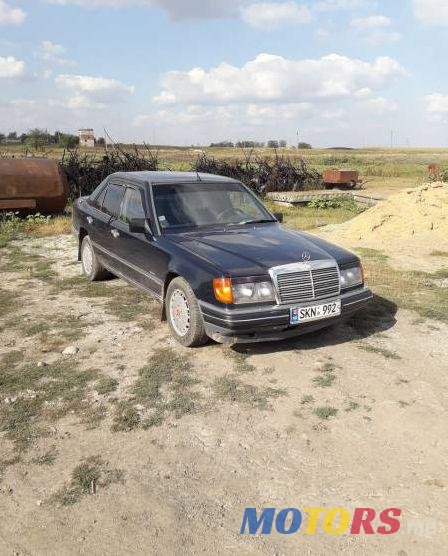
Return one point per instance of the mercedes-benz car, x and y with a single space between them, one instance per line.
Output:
220 263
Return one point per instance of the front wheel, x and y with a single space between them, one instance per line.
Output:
183 314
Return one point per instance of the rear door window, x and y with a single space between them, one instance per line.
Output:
112 199
132 207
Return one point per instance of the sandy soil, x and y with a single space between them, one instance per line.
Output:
186 482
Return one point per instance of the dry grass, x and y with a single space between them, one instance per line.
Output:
56 226
417 291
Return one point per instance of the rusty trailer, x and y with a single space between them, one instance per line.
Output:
348 179
32 185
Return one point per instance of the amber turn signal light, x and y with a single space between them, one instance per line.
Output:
223 290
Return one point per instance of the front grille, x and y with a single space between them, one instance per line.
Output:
308 285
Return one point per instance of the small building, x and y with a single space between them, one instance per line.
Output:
86 138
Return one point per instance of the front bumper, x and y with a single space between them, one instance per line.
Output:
270 323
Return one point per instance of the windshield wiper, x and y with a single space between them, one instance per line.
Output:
257 221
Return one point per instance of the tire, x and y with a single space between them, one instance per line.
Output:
188 328
92 268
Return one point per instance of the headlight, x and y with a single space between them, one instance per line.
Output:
351 277
247 292
252 292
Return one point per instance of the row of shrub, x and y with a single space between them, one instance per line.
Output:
262 174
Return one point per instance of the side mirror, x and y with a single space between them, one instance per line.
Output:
137 226
279 216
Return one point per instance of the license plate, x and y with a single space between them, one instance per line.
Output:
315 312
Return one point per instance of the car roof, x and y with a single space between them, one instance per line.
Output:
171 177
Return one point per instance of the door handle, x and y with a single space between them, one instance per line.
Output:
115 233
89 220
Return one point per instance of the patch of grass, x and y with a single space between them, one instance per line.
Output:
126 417
93 415
307 399
374 255
240 359
10 359
164 386
230 388
325 412
441 273
47 458
8 302
123 301
12 226
310 217
70 327
106 385
416 291
439 254
386 353
38 396
92 473
42 270
155 420
403 404
352 406
33 328
324 380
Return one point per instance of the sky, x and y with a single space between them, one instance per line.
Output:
185 72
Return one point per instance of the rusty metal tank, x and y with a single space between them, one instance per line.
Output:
32 185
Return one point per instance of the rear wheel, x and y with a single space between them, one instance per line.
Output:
91 266
183 314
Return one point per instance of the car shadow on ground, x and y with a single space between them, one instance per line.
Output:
378 317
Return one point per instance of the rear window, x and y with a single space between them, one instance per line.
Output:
112 199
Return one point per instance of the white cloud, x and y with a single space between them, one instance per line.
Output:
270 78
380 105
437 103
92 92
53 54
177 9
431 12
371 22
375 29
10 15
269 15
336 5
11 68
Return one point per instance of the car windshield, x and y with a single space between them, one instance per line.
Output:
207 204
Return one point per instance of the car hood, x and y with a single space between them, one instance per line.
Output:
252 250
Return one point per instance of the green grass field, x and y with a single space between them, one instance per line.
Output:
372 162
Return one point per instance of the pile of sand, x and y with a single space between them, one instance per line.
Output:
413 222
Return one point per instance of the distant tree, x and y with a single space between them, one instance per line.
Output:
2 137
12 135
222 144
38 138
273 144
282 143
303 145
67 140
101 141
249 144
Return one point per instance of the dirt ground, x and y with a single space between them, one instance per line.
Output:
354 416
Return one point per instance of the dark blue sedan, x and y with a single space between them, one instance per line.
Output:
219 262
